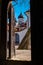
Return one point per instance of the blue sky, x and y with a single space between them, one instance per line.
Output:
21 6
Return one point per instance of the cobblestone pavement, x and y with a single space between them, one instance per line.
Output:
22 55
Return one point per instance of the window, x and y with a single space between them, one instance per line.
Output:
16 38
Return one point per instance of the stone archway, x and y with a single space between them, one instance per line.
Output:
10 12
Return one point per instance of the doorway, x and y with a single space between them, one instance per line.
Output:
18 35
